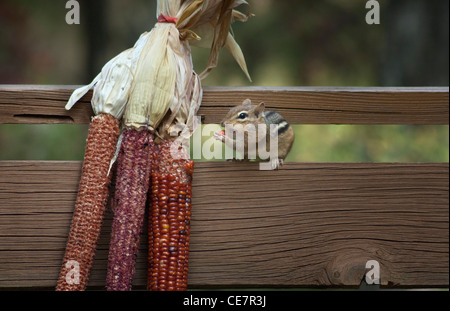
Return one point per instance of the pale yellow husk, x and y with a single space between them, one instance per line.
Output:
154 84
113 83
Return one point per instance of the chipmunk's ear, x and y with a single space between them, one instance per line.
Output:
259 109
247 102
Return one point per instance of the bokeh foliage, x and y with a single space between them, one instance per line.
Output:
288 43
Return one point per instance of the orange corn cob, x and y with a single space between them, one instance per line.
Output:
90 205
132 183
169 220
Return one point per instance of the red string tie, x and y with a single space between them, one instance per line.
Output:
166 19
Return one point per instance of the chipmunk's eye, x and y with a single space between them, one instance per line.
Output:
242 116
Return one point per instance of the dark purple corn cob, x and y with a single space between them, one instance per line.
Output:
134 165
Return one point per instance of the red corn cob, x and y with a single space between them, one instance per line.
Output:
169 220
90 205
132 183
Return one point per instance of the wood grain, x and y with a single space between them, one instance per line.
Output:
45 104
309 224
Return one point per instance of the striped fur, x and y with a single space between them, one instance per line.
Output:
272 117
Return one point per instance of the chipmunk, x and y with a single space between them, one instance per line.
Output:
251 118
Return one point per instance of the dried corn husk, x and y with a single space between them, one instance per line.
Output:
152 93
209 22
215 24
113 83
166 90
154 82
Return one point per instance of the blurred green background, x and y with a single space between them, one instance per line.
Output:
288 43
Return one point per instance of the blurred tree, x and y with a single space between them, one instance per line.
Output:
416 50
14 48
94 14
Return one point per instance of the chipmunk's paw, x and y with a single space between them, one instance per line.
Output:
280 163
276 163
220 136
272 165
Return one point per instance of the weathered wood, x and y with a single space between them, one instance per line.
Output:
45 104
309 224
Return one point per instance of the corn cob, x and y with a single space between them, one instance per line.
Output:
132 183
90 205
108 103
179 96
169 219
156 82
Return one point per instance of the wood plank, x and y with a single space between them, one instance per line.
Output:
300 105
309 224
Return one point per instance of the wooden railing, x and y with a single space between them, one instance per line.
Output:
306 225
